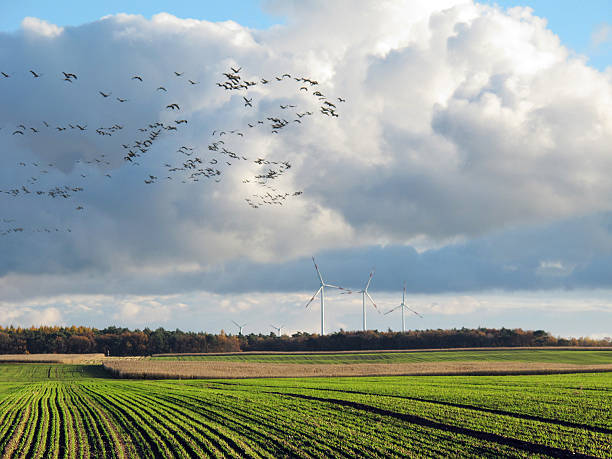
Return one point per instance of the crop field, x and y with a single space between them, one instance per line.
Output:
56 411
475 362
578 357
51 358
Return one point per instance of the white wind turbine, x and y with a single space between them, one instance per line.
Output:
240 327
322 290
404 306
278 329
364 293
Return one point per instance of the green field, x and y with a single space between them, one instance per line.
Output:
519 355
77 411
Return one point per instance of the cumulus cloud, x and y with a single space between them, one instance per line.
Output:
462 122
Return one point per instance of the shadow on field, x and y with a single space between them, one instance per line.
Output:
523 445
95 371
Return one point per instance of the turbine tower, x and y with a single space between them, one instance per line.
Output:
403 306
322 290
240 327
278 329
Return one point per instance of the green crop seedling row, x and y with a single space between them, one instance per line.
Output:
56 411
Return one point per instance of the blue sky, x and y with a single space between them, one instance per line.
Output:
470 160
72 13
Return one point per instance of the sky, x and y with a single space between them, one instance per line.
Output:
465 153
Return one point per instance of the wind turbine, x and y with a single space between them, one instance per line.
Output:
278 329
364 293
322 290
240 327
403 306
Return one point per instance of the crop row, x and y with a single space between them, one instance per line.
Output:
343 417
582 399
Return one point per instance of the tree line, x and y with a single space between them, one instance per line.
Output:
116 341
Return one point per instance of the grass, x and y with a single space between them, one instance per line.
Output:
78 411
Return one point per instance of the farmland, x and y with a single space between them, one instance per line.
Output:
580 357
475 362
51 410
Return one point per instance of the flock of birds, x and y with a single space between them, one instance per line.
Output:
187 163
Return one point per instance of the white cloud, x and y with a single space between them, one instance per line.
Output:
34 26
461 120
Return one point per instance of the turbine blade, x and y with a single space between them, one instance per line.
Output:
412 310
313 297
318 272
374 304
369 280
346 290
391 310
236 324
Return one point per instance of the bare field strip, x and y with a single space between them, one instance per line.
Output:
52 358
391 351
153 369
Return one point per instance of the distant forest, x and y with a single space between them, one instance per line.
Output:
124 342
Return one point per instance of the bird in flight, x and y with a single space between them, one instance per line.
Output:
247 102
68 76
121 100
136 77
36 75
104 95
236 70
178 74
193 82
5 75
161 88
173 106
